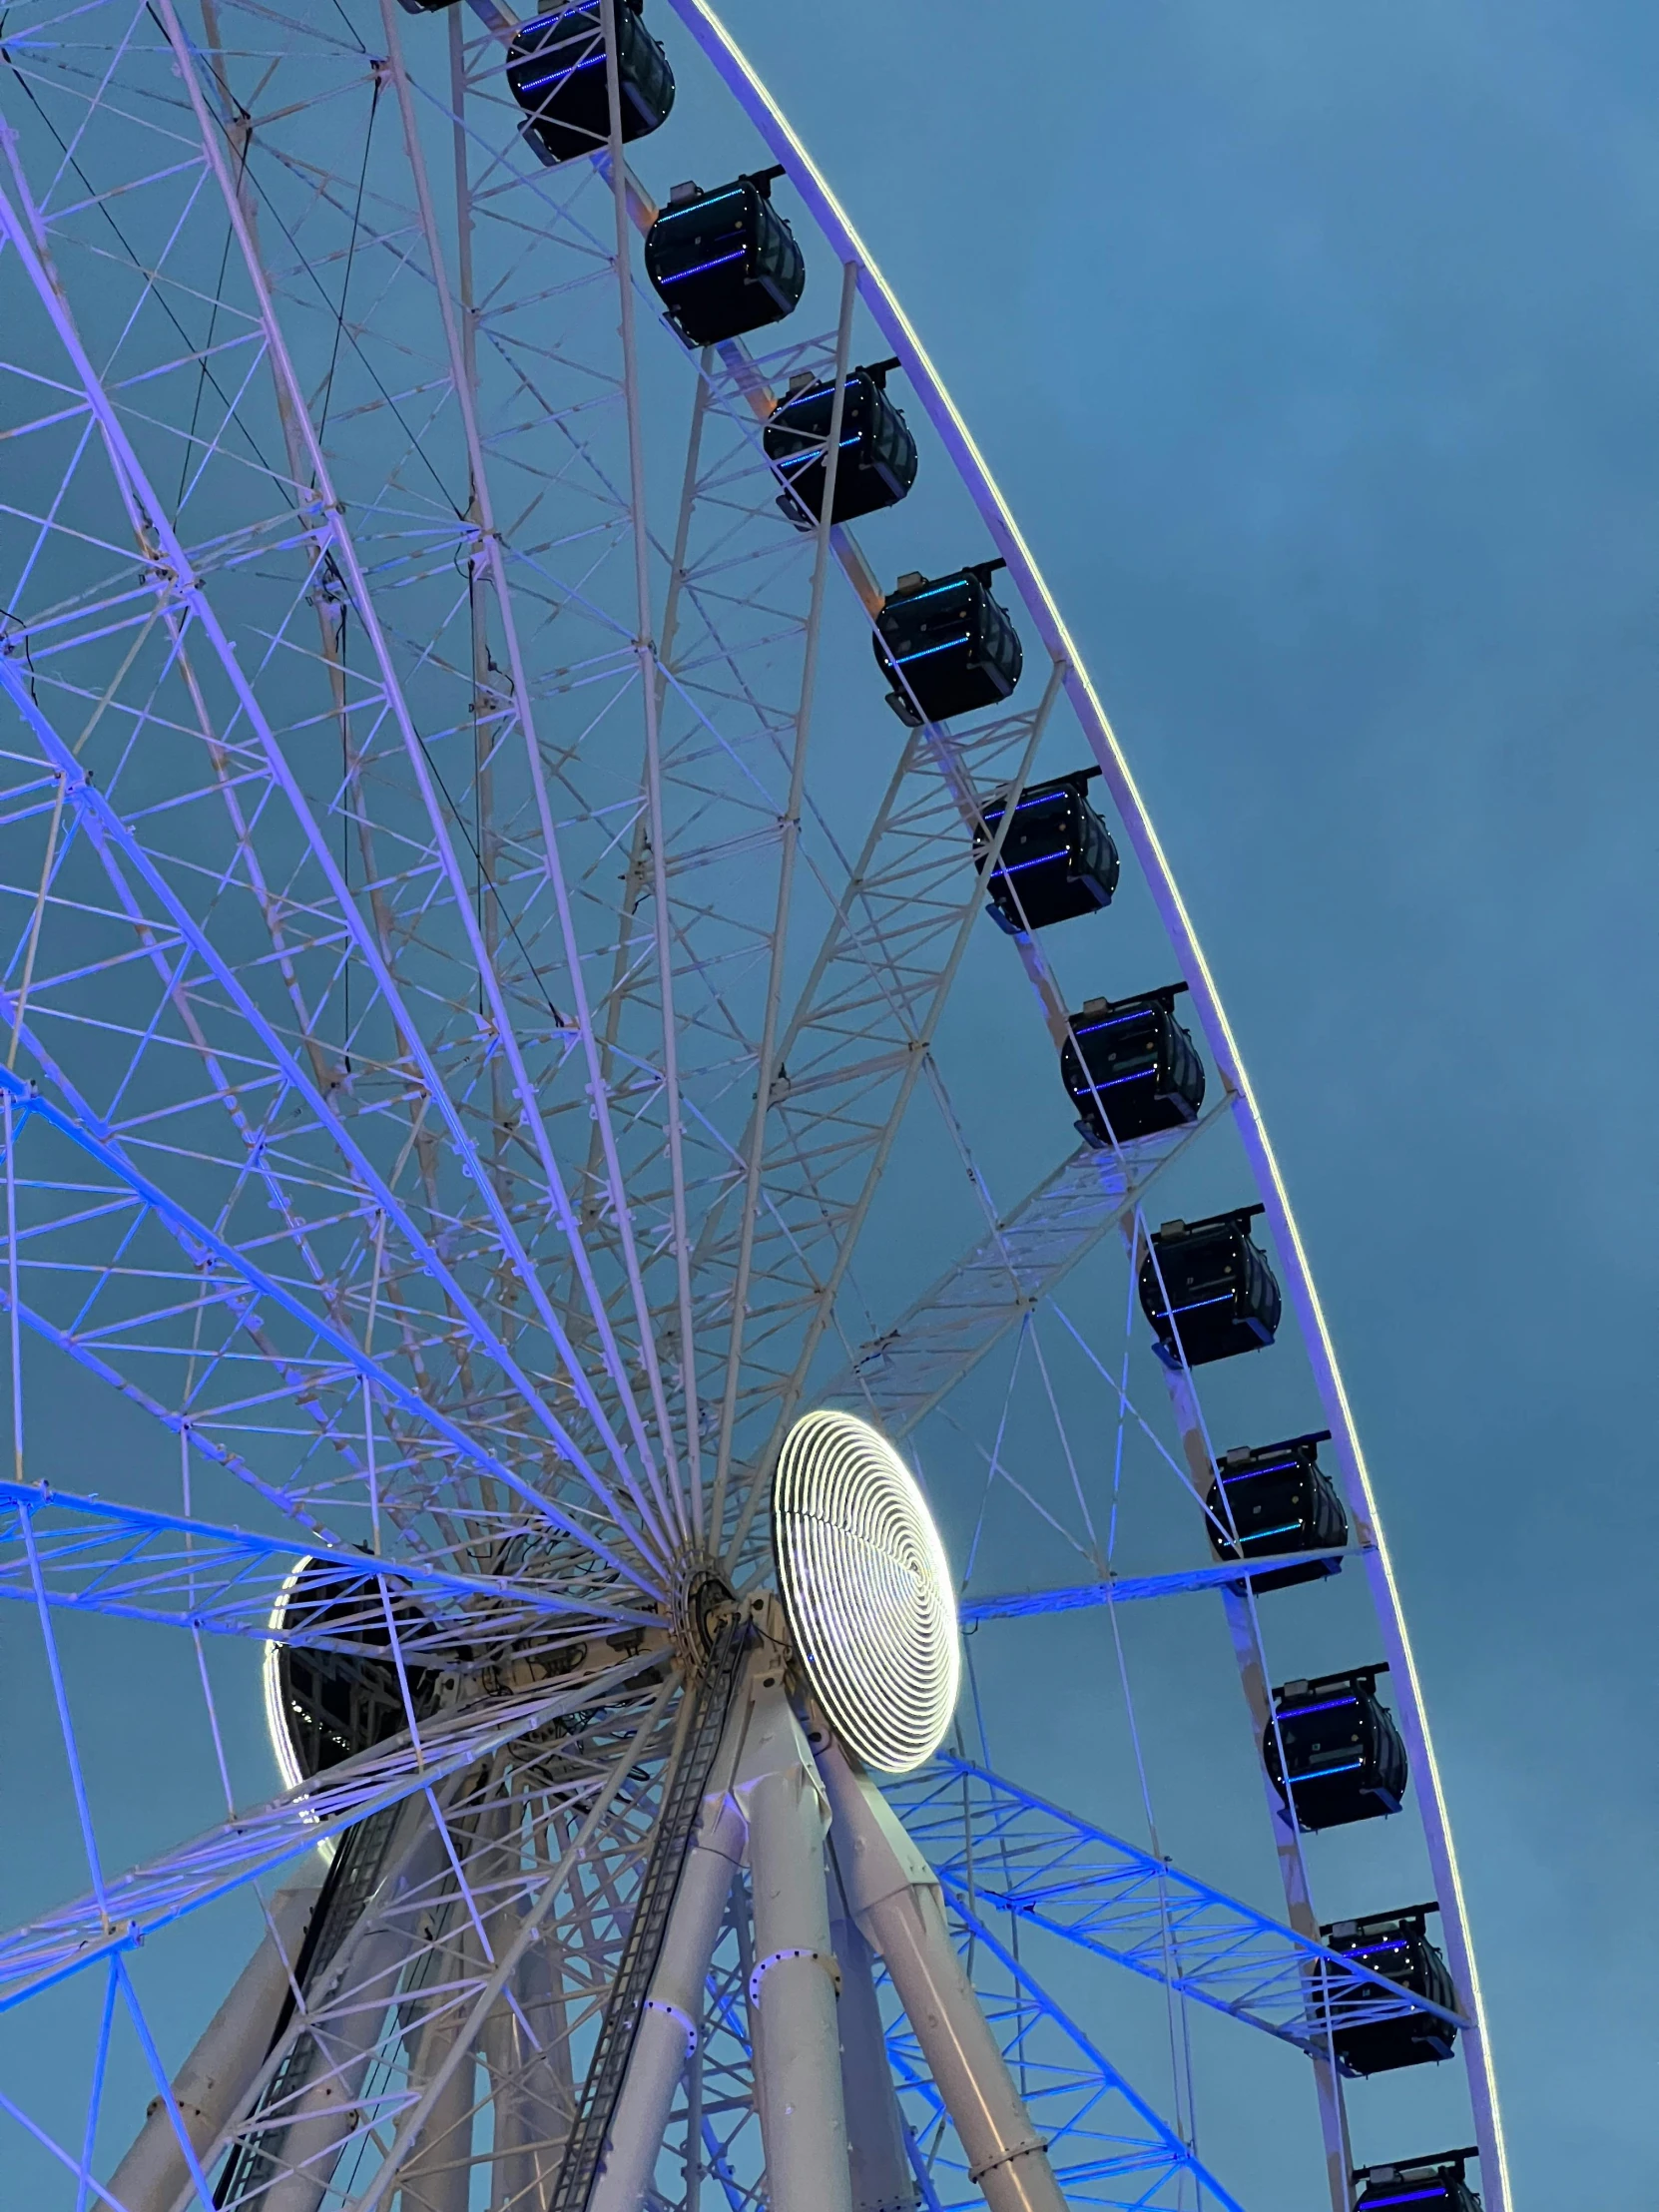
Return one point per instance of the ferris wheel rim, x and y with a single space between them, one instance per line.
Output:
837 226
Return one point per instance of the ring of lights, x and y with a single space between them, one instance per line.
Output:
867 1590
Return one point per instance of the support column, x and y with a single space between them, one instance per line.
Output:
361 1985
524 2041
530 2083
879 2162
549 2088
212 2085
793 1987
437 2170
668 2028
898 1906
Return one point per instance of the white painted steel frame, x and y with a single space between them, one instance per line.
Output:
722 50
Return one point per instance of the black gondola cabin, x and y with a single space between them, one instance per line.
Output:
877 456
724 261
1276 1498
556 73
1424 2184
1208 1291
1130 1069
946 646
1343 1758
1396 1944
1057 861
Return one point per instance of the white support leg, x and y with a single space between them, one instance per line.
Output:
369 1965
530 2083
793 1987
668 2026
547 2086
525 2046
211 2086
438 2171
514 2176
878 2163
896 1902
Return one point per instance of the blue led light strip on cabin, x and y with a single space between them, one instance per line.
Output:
1042 859
993 815
701 204
1249 1474
909 598
794 464
720 262
927 651
559 76
1110 1083
545 22
1328 1705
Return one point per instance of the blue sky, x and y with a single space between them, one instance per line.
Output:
1315 348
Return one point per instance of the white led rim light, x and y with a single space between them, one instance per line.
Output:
276 1720
867 1590
270 1681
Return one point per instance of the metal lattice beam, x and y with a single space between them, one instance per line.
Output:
1032 1861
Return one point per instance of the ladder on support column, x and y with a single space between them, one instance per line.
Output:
347 1890
682 1807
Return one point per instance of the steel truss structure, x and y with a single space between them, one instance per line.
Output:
482 991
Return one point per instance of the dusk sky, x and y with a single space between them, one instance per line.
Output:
1317 348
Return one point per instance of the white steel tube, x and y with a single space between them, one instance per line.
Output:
515 2176
211 2086
526 2045
793 1985
437 2170
668 2028
896 1902
877 2162
547 2089
345 2044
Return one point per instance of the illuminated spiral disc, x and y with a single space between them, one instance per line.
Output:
867 1590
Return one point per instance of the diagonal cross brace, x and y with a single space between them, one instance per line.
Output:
906 1372
98 1557
151 1897
197 1239
1036 1863
110 834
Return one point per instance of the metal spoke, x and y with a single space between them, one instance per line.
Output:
260 1841
91 1555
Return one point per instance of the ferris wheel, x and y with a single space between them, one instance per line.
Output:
638 1261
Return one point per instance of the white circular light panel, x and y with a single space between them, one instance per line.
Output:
867 1590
